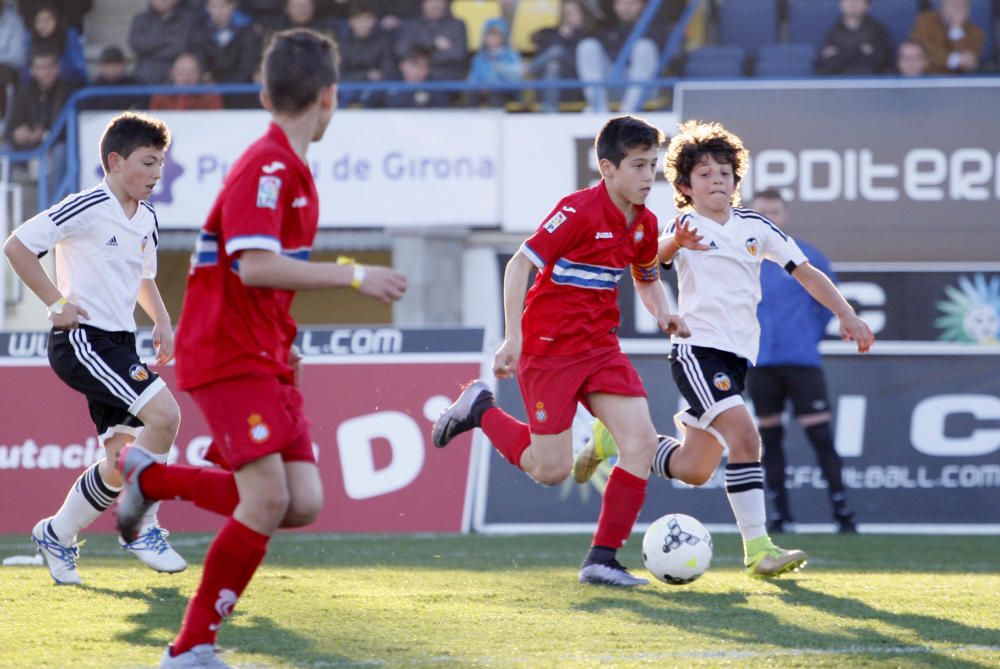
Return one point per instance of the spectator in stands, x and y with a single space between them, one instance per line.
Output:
595 56
37 105
303 14
72 11
393 13
954 44
440 32
415 68
365 53
266 15
112 70
48 31
12 54
911 59
186 71
856 44
555 56
158 36
228 52
495 63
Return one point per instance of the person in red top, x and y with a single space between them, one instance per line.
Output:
562 339
235 350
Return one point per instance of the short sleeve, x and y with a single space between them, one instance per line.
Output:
149 256
781 248
251 211
557 234
40 234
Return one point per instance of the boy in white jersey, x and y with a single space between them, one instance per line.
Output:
105 240
717 248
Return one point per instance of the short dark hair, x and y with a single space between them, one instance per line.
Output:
355 7
130 131
43 51
696 140
768 194
622 134
298 64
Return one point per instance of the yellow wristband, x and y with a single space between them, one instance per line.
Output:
359 276
57 306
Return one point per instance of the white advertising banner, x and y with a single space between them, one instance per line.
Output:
373 168
548 156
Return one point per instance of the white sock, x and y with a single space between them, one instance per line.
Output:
745 490
85 501
149 518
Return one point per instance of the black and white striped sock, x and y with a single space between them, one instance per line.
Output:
745 490
89 497
665 450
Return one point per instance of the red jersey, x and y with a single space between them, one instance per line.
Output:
268 201
581 251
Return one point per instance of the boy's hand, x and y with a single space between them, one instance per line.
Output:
687 237
852 328
70 317
673 324
163 343
505 360
383 283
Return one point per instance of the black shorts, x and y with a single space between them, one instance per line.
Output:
105 367
709 379
771 386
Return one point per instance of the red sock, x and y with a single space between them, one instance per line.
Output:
623 498
210 489
230 563
510 436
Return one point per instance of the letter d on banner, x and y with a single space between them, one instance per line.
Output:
355 438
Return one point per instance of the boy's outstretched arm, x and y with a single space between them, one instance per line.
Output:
515 285
30 270
683 236
852 328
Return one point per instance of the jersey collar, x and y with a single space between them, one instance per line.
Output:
612 210
277 135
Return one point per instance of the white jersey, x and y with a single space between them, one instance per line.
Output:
101 255
719 288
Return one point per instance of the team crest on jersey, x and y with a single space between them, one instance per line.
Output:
640 232
752 246
138 372
541 415
259 431
722 382
267 192
554 222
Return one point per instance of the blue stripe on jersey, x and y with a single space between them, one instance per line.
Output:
750 213
535 259
299 254
582 275
79 206
206 250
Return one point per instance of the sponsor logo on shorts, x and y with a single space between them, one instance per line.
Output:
541 415
722 382
267 192
259 431
138 372
752 246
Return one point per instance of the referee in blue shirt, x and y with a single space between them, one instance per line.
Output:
789 366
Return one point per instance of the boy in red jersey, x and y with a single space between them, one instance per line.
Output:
563 341
234 344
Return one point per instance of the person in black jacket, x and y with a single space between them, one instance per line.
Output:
157 37
857 44
555 56
112 70
365 53
228 52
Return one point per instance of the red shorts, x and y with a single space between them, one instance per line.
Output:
251 417
552 385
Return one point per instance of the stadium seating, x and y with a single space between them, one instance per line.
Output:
748 23
785 60
475 13
530 16
896 15
810 20
715 62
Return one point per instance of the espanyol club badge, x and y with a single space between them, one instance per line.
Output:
722 382
752 246
639 233
541 415
138 373
259 431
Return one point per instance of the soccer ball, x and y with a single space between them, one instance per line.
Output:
677 549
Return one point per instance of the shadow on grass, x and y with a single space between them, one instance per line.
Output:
730 619
255 634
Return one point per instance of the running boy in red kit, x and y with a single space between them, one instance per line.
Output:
563 341
234 344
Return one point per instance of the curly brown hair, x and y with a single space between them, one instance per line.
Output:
696 140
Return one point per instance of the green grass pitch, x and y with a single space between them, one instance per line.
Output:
481 601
